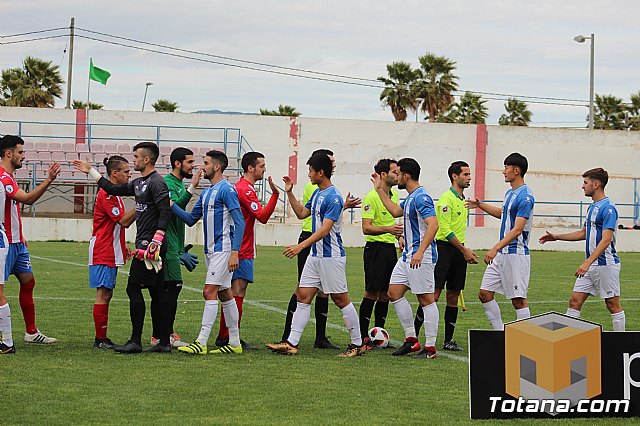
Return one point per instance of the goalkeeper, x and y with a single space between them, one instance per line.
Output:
182 163
152 217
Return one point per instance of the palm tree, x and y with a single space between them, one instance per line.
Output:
609 113
83 105
436 84
36 84
634 112
165 105
283 110
398 93
469 110
518 113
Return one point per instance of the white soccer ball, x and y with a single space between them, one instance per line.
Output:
379 337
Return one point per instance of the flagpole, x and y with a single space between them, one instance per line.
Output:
87 108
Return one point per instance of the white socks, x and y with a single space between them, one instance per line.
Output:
209 315
574 313
618 320
5 325
523 313
231 316
431 317
405 315
299 322
351 320
492 311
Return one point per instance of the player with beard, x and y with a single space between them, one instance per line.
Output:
182 163
18 261
152 217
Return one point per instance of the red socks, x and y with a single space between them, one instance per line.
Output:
28 306
100 319
224 331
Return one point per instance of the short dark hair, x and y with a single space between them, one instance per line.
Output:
9 142
250 159
456 168
410 166
321 162
598 174
220 158
322 151
179 154
152 150
384 165
519 161
114 163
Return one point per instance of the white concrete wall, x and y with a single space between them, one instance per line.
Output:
557 157
272 234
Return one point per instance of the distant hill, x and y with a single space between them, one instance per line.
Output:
217 111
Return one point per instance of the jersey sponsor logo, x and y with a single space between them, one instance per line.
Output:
254 206
384 213
115 211
140 207
9 189
367 207
249 193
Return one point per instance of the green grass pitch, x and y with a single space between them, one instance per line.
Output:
71 383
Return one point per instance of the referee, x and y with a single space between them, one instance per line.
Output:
453 256
380 255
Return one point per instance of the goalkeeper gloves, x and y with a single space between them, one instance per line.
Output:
190 261
153 249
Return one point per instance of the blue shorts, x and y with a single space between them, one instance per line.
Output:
102 276
18 260
244 271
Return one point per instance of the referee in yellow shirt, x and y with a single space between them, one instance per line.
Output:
380 255
453 256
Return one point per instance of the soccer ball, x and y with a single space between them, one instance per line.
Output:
379 337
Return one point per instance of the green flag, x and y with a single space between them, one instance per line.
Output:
98 74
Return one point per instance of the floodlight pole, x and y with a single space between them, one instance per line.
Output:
70 70
581 39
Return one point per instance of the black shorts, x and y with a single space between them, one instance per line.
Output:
145 278
302 256
379 261
450 268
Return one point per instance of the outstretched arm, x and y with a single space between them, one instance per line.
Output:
393 208
300 210
487 208
190 218
35 194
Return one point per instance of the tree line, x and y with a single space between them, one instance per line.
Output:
428 89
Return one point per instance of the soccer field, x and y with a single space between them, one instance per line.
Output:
70 382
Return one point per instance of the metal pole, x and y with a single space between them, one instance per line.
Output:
145 94
70 71
591 85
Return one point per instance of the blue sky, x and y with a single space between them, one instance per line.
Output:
512 47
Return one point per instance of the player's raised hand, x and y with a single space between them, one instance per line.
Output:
375 179
233 261
472 204
351 202
272 186
292 251
288 184
548 237
54 169
195 180
83 166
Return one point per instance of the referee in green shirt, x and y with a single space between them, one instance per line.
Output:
380 254
453 256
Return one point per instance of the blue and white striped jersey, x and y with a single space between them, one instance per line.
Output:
214 206
417 207
328 204
517 203
602 215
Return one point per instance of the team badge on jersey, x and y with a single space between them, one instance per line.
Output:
367 207
254 206
115 211
445 209
9 189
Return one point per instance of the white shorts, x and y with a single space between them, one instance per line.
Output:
603 281
508 274
3 260
328 274
218 269
419 280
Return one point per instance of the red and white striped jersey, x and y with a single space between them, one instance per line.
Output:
107 245
12 220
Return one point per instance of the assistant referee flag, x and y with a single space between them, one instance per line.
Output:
98 74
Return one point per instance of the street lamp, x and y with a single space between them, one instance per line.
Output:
581 39
418 101
147 84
